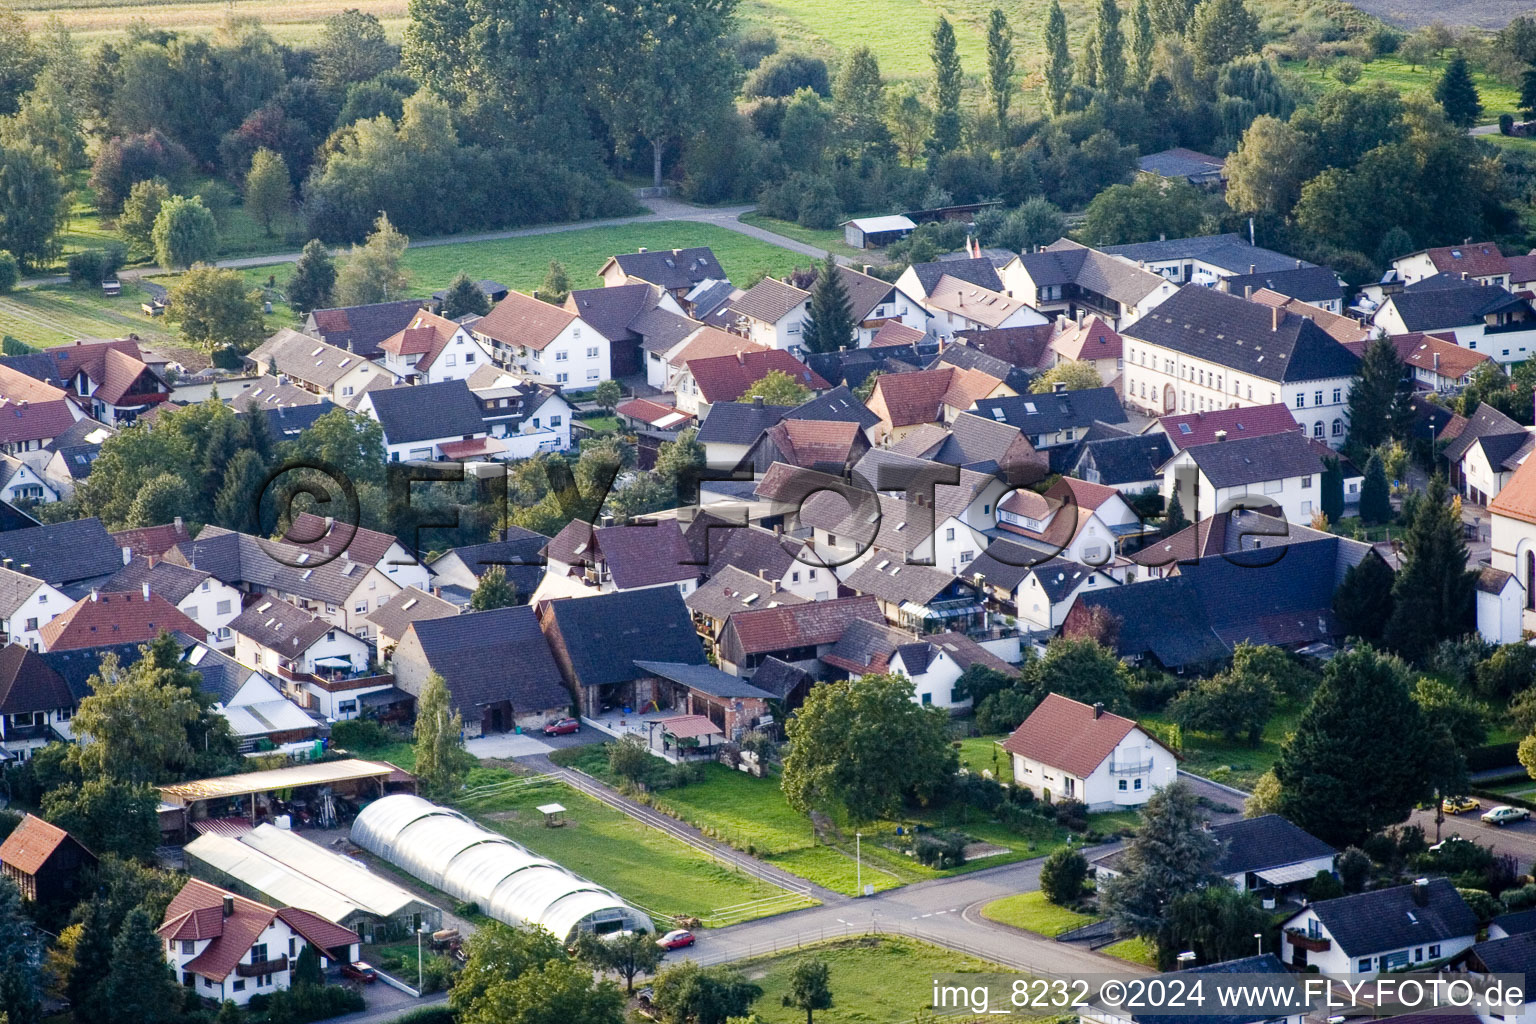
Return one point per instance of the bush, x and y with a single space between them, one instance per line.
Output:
10 271
1457 858
1520 898
436 973
306 1003
1354 866
361 732
784 74
1073 814
1064 877
1324 887
1506 124
227 358
123 161
940 849
1481 903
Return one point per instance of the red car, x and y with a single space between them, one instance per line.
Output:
563 727
676 939
359 971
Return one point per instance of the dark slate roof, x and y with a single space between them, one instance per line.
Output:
704 678
738 422
839 405
171 581
280 626
1048 413
1266 963
1518 923
222 676
672 268
1444 301
604 635
486 657
1161 617
1067 262
779 678
360 329
970 357
1503 450
62 553
1125 460
29 683
426 412
1251 460
852 366
1228 251
1309 284
1005 564
77 666
973 271
1268 841
1059 577
519 553
1236 333
1485 421
1513 955
1386 919
1179 163
395 616
287 422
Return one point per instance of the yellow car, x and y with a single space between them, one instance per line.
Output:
1459 804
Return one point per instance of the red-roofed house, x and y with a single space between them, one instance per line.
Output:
1088 340
795 634
1074 519
906 401
1436 361
32 413
133 618
1479 261
432 348
1068 750
549 343
726 378
43 860
1513 511
112 376
1194 428
226 947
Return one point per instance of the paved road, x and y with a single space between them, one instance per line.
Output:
1518 840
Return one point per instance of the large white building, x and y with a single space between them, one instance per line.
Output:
1514 544
1204 350
1068 750
550 344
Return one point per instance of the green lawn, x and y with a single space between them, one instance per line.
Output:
982 754
647 867
752 815
877 978
827 238
1236 764
59 314
1498 97
1525 789
1137 951
1032 912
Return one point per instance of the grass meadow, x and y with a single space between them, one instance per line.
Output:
1498 97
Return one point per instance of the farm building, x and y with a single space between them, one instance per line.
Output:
277 866
449 852
876 232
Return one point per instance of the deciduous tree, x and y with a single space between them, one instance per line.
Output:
777 388
214 308
184 233
689 994
1111 48
947 82
493 591
810 987
372 272
1266 173
1064 876
1143 40
556 285
858 96
441 760
268 189
137 221
628 955
352 48
1074 376
1217 923
33 204
1222 31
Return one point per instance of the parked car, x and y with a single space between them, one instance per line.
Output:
676 939
562 727
1448 842
360 971
1459 804
1504 814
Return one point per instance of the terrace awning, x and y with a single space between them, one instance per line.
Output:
1288 875
690 726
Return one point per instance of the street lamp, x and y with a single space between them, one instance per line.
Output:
858 865
421 930
1260 937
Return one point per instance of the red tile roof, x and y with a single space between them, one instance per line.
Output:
814 442
1082 493
907 399
232 934
760 630
522 319
316 930
1341 328
1092 339
896 333
35 421
1479 259
711 341
647 411
1518 498
426 336
727 378
152 540
1419 351
1252 422
18 387
1064 733
98 619
30 845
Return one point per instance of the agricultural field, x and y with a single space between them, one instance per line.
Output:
1498 97
294 23
1488 14
60 314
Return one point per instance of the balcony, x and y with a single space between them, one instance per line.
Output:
1130 767
265 967
1310 943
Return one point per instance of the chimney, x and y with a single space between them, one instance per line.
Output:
762 574
1098 709
868 269
775 585
641 249
229 905
1079 318
1421 891
1274 318
1162 236
1463 275
145 588
177 523
94 595
1247 291
127 554
1252 269
1221 435
1058 387
741 359
1298 264
1437 360
757 401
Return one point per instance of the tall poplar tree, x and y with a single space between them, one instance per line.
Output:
1111 48
946 90
1000 67
1058 59
1143 39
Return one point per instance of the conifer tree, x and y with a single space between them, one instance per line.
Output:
830 326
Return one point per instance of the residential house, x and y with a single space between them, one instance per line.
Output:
933 663
151 541
1204 259
1021 581
734 705
1131 465
1204 350
1476 261
726 378
1487 453
598 641
226 948
1380 930
1281 471
677 271
1434 362
1266 854
1317 288
1068 750
1066 276
111 379
1088 339
709 302
36 703
772 313
431 349
73 555
979 444
1484 318
798 635
137 616
334 373
525 417
765 554
1260 1011
730 429
906 401
638 556
1187 430
361 330
875 303
291 644
667 356
33 412
432 422
1057 417
1188 165
519 552
839 404
44 861
71 454
394 617
1077 520
1238 532
259 716
26 605
969 357
920 280
629 316
21 484
207 601
732 590
1513 532
959 307
548 343
917 597
826 445
642 414
497 665
1341 328
1026 348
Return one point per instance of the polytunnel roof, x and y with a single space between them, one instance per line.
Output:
473 864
